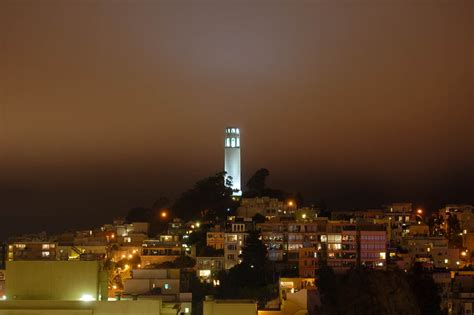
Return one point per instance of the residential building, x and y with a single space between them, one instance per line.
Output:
372 246
144 281
297 295
208 268
32 250
461 296
463 212
163 284
341 245
234 241
307 262
399 212
167 248
215 240
266 206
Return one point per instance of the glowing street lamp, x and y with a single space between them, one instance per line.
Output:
164 214
419 211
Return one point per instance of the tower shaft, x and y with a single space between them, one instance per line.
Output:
232 158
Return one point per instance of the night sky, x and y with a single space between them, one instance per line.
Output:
109 105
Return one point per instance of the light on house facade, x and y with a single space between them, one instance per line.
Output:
232 158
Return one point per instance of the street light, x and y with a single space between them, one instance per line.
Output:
164 214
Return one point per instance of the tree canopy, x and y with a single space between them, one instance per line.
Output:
256 183
250 278
377 292
257 187
209 198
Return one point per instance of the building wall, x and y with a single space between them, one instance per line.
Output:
80 308
144 286
32 251
373 248
229 307
54 280
156 273
215 240
148 260
233 248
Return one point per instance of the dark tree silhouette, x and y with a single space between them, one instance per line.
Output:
258 218
256 183
138 214
249 278
209 198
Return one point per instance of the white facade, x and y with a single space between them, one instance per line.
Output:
234 241
232 158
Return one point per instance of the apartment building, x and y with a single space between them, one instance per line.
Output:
234 241
208 268
373 246
339 244
215 240
266 206
463 212
307 262
32 250
167 248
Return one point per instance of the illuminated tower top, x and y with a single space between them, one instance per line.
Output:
232 137
232 157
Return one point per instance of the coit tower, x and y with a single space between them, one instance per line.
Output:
232 158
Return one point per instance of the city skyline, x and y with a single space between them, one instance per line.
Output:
344 103
237 157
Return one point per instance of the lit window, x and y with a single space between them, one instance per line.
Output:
45 254
204 273
238 142
186 310
232 142
166 286
227 142
382 255
233 130
237 131
20 246
127 239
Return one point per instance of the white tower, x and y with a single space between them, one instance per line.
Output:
232 157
